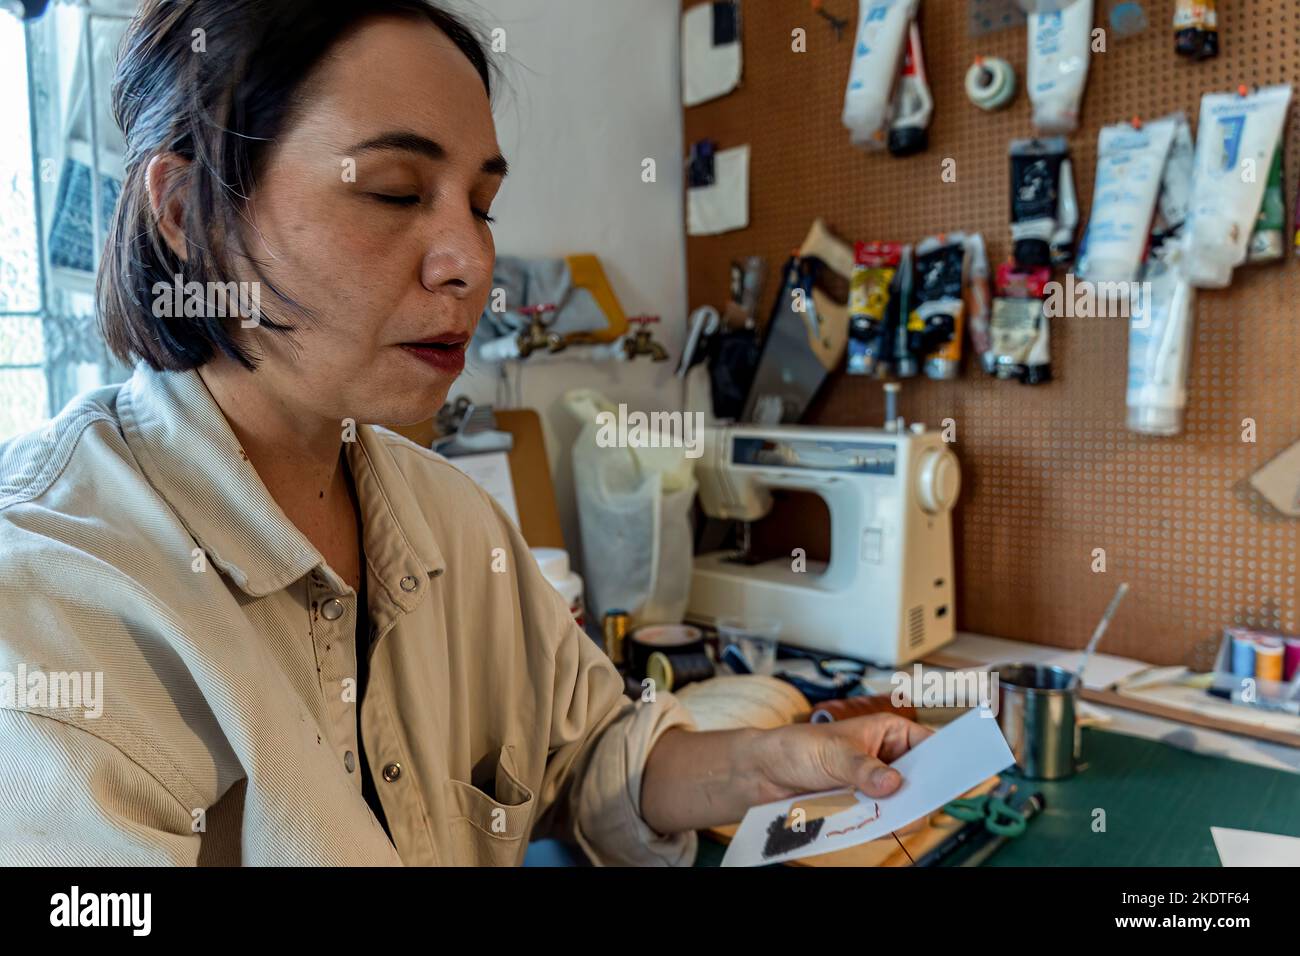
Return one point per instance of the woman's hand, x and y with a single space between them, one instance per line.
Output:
695 780
804 758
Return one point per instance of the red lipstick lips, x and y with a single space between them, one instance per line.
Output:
446 353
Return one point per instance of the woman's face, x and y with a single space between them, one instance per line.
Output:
372 212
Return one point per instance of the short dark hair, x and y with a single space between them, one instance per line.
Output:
222 109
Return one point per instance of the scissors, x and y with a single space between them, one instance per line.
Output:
999 817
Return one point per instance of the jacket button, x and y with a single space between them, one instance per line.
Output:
408 583
332 609
349 761
392 772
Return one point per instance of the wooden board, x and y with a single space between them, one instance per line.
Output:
1049 473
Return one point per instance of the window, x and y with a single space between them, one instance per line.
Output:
60 170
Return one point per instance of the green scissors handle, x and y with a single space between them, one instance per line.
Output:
998 815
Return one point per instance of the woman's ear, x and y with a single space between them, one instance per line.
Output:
167 205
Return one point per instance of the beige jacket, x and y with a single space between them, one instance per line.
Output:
138 546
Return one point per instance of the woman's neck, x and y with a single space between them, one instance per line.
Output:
299 457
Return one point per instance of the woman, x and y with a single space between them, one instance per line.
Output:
319 643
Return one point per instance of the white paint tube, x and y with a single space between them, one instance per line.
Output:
1067 216
1159 348
1175 184
1059 47
1130 164
913 104
1234 149
877 56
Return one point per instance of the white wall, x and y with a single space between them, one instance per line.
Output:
593 88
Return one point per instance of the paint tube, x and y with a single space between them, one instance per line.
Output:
935 326
913 104
874 266
1235 142
1159 348
877 55
1175 184
1019 327
1059 47
978 301
1067 216
1297 223
1130 166
1196 29
1035 197
1266 242
904 363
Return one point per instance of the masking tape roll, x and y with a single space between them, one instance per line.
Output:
990 82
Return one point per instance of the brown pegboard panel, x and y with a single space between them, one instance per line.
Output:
1049 472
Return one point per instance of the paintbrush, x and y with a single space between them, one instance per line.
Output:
1096 635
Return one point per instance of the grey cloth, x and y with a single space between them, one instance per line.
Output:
528 282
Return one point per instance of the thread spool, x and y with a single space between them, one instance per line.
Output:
668 638
1268 659
1243 655
990 82
861 706
674 671
1291 658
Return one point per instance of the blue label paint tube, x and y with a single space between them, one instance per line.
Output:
1236 139
1036 197
877 55
1130 164
1059 49
1159 347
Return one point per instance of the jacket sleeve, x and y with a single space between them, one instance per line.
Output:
600 744
68 798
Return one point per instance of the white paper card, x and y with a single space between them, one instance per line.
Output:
1249 848
708 70
941 768
491 472
724 206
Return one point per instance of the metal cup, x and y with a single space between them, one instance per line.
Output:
1036 711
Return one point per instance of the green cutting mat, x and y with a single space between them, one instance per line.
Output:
1159 802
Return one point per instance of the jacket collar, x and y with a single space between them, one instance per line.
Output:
186 448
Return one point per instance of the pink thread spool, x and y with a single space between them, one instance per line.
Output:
1291 658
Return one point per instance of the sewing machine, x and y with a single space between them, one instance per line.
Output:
886 595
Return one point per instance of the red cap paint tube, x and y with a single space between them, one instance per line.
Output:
1019 329
913 104
875 264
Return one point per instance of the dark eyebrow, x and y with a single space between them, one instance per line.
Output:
415 143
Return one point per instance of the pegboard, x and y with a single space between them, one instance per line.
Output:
1049 472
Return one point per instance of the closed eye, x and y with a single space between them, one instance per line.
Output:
396 200
483 214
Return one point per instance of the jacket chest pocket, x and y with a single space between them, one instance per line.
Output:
490 830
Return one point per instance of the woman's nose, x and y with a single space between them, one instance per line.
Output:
458 263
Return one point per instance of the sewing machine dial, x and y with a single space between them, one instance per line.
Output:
938 480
